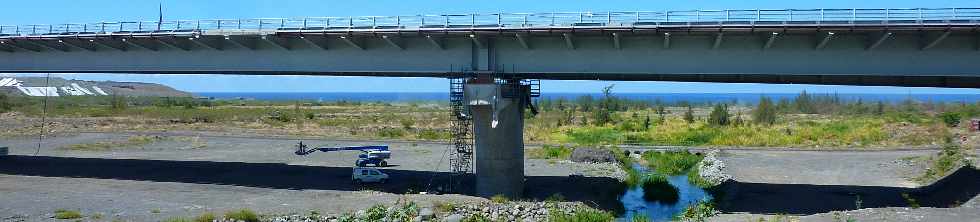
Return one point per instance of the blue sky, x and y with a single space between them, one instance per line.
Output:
74 11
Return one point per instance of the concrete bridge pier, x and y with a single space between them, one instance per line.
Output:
498 124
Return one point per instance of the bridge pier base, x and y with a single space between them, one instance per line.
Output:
498 130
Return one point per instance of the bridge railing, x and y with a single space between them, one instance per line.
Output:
517 20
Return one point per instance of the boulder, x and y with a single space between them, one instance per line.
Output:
592 155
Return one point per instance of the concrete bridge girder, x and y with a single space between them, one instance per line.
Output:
944 55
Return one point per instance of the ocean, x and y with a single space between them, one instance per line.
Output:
742 98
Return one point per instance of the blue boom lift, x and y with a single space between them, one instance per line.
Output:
374 155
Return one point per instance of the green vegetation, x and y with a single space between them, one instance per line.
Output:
719 116
242 215
950 158
633 177
550 152
694 177
656 188
206 217
638 217
499 199
581 214
911 201
557 197
176 219
698 212
671 162
132 141
444 207
476 218
765 112
67 214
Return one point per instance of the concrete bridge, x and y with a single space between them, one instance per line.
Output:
893 47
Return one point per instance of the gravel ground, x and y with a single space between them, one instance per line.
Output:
188 175
822 186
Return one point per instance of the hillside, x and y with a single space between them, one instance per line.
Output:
66 88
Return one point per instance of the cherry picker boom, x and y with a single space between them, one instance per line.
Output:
374 155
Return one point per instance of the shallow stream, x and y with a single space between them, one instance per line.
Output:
634 203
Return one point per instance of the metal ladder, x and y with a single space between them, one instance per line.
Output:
461 161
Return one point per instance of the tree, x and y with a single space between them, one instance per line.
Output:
804 103
689 115
765 112
646 123
661 112
880 108
719 115
603 114
118 102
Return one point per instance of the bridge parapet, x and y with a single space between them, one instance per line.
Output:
526 21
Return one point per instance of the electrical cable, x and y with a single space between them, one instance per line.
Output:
44 112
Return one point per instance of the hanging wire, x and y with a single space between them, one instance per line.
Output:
44 112
435 172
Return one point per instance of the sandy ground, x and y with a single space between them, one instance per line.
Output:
177 177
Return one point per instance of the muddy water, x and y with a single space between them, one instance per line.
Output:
634 203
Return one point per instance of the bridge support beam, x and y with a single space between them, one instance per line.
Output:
498 124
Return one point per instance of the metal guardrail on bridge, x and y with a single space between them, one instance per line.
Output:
521 20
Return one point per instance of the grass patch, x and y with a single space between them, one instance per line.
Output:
132 141
177 219
694 177
242 215
949 159
205 217
67 214
656 188
499 199
550 152
639 217
671 162
444 207
582 214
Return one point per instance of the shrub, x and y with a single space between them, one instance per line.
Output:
765 112
310 115
950 118
242 215
581 214
719 116
407 123
5 104
431 134
657 188
376 213
551 152
698 212
671 162
67 214
391 133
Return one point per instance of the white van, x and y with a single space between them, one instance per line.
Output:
368 175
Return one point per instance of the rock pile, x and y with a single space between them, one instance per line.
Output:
712 168
593 155
510 211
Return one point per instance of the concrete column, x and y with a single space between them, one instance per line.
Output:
499 148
